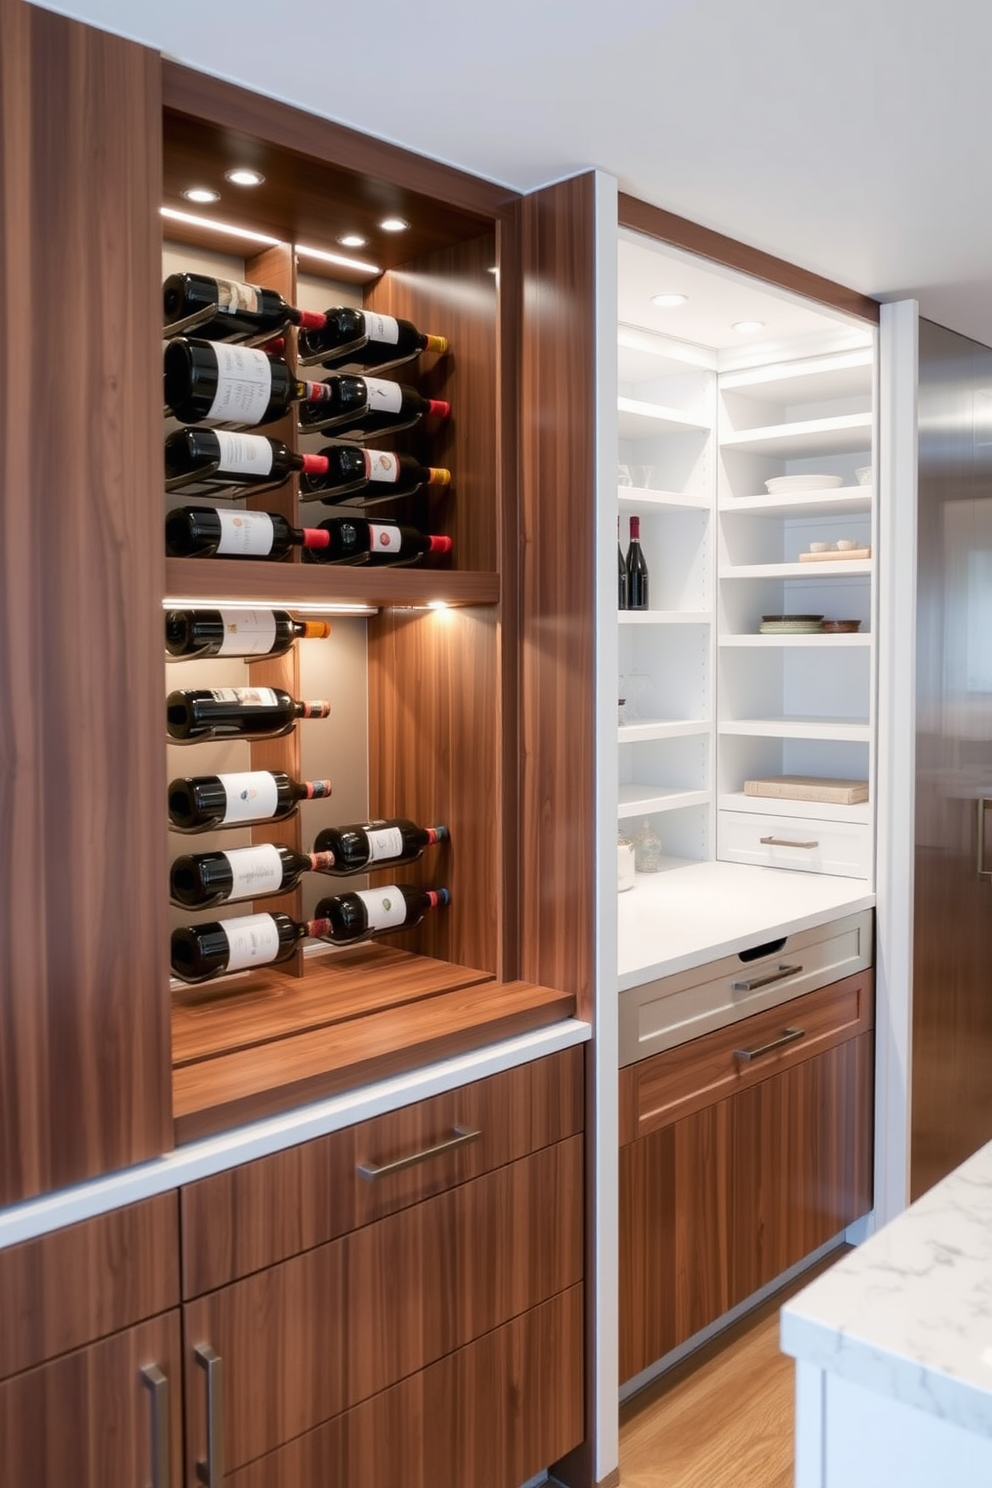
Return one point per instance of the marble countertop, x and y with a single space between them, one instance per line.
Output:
909 1313
697 912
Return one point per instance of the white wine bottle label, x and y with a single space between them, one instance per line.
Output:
254 870
248 697
246 534
233 296
385 908
384 537
383 396
250 795
247 632
244 385
253 940
384 842
244 454
381 328
379 466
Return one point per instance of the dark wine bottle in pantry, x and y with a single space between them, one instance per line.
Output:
354 848
355 406
209 380
237 632
637 569
201 460
366 912
232 310
199 880
363 338
622 573
200 952
199 803
193 714
354 540
352 471
209 532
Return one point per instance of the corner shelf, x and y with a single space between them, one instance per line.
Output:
648 800
639 420
843 435
680 728
840 730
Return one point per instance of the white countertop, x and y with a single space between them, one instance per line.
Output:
697 912
909 1314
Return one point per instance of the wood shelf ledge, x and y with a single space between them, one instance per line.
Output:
308 583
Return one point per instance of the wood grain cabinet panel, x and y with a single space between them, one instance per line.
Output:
306 1340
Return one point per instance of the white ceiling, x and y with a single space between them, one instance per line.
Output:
848 136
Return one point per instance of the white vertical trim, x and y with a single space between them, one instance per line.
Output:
811 1406
896 754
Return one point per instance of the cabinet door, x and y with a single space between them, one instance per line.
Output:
91 1420
84 1058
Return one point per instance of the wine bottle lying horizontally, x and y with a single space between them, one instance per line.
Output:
199 880
209 532
236 632
393 840
194 714
211 460
363 338
232 311
365 912
368 405
354 540
352 472
200 803
209 380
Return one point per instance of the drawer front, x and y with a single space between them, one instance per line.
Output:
255 1215
309 1338
679 1081
75 1285
796 842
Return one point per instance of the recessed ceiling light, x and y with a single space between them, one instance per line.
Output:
746 327
394 224
668 301
201 194
244 176
352 240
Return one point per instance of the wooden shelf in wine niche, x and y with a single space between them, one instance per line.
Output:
314 586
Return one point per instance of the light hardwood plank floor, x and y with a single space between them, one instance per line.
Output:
724 1418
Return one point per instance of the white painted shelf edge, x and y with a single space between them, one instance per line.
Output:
655 728
657 418
798 429
814 639
837 501
629 496
664 617
841 730
834 568
778 806
647 800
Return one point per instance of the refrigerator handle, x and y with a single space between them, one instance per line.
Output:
984 802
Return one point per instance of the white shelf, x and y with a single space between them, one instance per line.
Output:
638 496
661 728
647 800
639 420
837 730
813 810
845 434
845 374
815 639
841 501
836 568
664 617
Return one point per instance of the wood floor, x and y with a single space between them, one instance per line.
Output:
722 1419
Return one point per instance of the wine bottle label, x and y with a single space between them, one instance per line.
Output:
233 296
384 537
244 454
253 940
379 466
247 632
248 697
250 795
384 842
244 385
382 328
382 396
384 908
254 870
246 534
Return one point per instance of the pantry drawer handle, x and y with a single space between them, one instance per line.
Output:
788 1037
158 1384
753 983
785 842
463 1136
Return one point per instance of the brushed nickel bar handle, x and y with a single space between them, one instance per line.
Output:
211 1472
788 1037
753 983
463 1136
784 842
983 805
158 1384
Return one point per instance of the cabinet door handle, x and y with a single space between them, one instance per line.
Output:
463 1136
158 1384
211 1472
785 842
751 984
983 805
788 1037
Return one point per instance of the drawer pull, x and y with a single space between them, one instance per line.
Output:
784 842
753 983
158 1384
788 1037
211 1472
463 1136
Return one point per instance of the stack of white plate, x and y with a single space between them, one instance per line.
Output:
791 485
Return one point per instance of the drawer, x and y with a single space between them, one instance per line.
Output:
796 842
307 1339
680 1081
674 1009
82 1283
255 1215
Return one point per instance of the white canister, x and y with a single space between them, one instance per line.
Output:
625 864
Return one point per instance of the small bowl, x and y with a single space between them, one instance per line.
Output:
863 475
819 547
845 544
840 627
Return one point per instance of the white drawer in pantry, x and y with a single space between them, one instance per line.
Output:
798 842
674 1009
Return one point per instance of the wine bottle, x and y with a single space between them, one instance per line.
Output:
354 540
354 471
199 803
200 952
230 384
232 311
366 912
637 569
368 405
363 338
621 574
235 712
200 460
230 632
206 532
199 880
352 849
